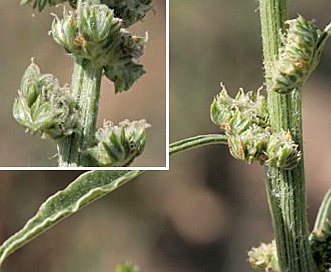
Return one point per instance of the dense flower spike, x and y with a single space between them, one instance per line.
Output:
118 145
43 106
250 138
299 55
94 33
321 247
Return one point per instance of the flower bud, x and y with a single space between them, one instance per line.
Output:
239 113
118 145
29 83
282 151
250 144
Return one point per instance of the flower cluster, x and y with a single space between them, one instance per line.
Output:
240 112
118 145
264 257
298 56
43 106
93 33
250 138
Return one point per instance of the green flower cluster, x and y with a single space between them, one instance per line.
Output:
298 56
118 145
237 114
43 106
282 151
264 257
250 145
93 33
250 138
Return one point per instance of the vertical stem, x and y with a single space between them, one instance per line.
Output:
86 80
285 188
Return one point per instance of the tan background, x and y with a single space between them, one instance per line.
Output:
24 36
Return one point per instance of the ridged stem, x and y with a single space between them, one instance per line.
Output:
86 80
285 188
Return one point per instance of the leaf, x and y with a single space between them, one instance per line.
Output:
87 188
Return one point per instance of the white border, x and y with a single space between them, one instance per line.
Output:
124 168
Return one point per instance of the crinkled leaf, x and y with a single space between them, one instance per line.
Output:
84 190
124 75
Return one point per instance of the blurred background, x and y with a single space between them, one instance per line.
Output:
25 35
207 211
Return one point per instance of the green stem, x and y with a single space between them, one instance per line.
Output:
86 80
323 212
195 142
285 188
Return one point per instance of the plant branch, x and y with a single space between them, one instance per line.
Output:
197 141
86 80
285 188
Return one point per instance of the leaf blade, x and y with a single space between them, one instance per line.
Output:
87 188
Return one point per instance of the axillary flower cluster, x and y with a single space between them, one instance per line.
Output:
244 119
95 34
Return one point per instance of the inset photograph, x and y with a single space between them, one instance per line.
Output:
85 84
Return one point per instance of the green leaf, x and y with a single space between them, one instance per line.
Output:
87 188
